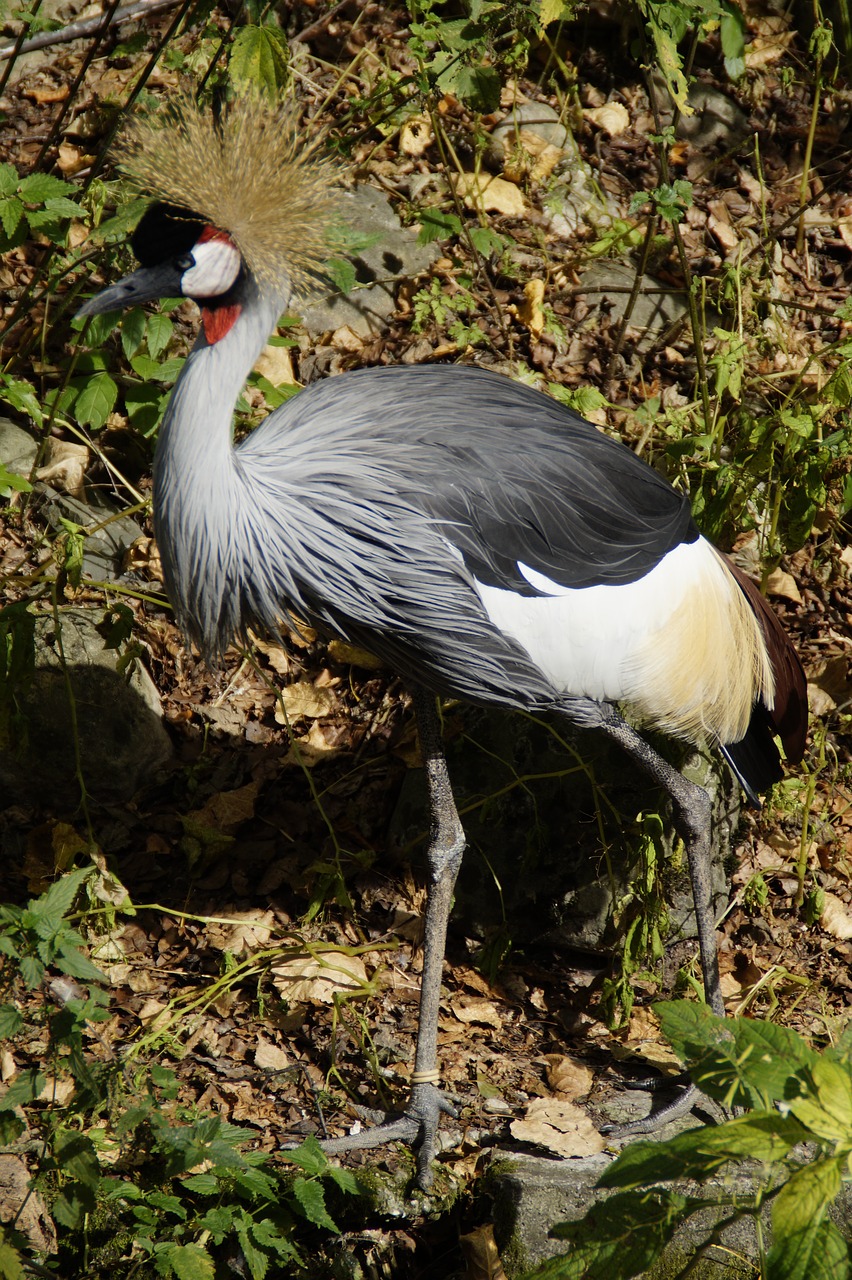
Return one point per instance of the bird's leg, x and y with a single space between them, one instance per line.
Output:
692 817
419 1122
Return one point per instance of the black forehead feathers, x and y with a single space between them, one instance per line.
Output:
166 231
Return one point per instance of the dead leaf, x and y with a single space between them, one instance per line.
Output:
568 1078
276 655
783 584
470 1009
246 931
65 467
342 652
482 1259
495 195
836 918
416 136
154 1015
318 979
844 230
228 810
560 1127
274 364
724 232
311 748
612 117
531 311
269 1057
304 701
57 1092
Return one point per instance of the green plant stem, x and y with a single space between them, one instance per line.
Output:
804 185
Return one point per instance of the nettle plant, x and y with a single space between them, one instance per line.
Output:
796 1137
128 1171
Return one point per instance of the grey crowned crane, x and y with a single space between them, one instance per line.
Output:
484 541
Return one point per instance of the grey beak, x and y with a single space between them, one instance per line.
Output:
144 285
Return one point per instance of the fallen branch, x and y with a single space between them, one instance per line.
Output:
86 27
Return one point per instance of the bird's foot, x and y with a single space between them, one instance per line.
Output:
674 1110
417 1126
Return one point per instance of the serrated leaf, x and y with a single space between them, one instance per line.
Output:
96 401
62 207
60 897
11 482
308 1156
11 213
11 1263
345 1179
310 1197
435 225
70 1207
26 1085
205 1184
8 179
804 1197
133 325
76 1156
158 332
825 1105
21 396
78 965
190 1262
479 87
36 188
817 1252
258 60
32 971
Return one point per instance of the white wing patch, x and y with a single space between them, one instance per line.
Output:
680 646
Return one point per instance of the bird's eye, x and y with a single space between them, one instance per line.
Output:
185 262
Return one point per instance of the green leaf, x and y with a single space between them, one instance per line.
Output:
825 1102
310 1197
258 61
8 179
37 188
10 1021
32 971
817 1252
190 1262
436 225
158 332
21 395
76 1156
73 1203
132 331
11 213
479 87
309 1156
96 401
205 1184
11 482
77 965
61 896
11 1263
805 1196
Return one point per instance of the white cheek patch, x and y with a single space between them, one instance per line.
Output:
217 265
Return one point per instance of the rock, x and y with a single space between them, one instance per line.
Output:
119 729
658 310
23 1207
105 548
391 254
17 448
531 1195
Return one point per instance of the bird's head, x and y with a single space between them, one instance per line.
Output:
266 203
181 256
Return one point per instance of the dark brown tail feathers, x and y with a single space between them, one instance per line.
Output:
755 758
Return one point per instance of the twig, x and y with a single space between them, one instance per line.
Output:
86 27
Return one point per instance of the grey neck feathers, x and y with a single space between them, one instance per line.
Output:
197 493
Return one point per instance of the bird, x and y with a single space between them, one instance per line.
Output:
479 537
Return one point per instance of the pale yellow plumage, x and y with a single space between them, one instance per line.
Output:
256 174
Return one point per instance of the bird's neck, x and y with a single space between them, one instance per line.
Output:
198 491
